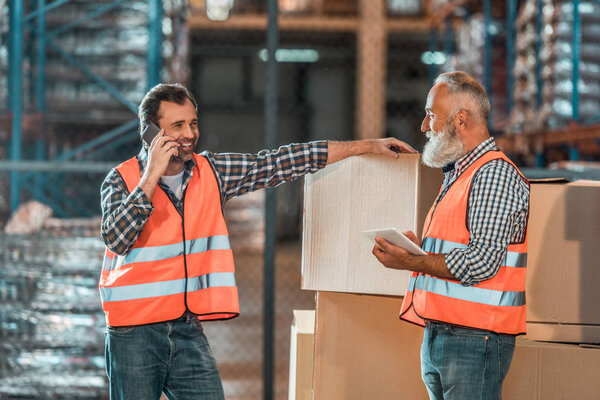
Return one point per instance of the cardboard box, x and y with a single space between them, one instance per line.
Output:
552 371
301 355
357 194
563 266
363 351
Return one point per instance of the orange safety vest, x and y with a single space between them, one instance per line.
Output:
496 304
177 263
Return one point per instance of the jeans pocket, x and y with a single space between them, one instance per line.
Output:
467 333
506 349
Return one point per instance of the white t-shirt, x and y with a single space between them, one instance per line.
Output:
175 183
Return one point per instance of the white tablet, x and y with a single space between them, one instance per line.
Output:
396 237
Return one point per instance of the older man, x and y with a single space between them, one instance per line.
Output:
469 291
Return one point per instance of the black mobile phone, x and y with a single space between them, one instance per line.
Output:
150 133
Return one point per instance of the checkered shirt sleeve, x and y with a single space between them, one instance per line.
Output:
498 212
243 173
124 214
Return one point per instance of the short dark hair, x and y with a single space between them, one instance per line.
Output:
172 92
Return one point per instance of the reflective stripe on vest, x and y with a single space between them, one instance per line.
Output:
496 304
177 263
167 288
474 294
158 253
439 246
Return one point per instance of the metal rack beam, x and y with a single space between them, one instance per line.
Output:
15 94
511 17
22 20
301 22
576 56
538 50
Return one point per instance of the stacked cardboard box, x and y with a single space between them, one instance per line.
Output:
563 276
354 195
362 350
553 371
563 268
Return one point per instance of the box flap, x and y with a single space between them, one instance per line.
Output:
304 321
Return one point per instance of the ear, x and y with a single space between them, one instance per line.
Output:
461 120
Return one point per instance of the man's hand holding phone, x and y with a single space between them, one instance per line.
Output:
160 152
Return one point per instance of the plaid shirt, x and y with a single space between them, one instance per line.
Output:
498 212
124 214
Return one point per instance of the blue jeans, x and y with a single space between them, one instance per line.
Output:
464 364
171 357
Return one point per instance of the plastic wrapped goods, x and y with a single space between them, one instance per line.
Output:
470 57
556 58
4 37
51 322
525 88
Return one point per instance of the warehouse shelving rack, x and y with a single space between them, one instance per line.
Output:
30 41
579 131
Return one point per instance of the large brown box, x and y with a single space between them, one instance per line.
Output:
553 371
563 266
357 194
363 351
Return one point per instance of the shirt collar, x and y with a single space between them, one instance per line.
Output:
465 161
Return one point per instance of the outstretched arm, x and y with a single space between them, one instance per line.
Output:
337 151
243 173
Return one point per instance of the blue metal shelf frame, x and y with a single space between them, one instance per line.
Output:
538 50
34 22
511 17
487 47
15 96
576 56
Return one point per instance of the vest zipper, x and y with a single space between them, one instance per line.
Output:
184 247
184 252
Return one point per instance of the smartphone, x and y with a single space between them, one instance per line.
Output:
150 133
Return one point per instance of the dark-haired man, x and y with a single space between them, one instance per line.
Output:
168 262
469 292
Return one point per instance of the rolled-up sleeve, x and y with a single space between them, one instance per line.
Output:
124 214
498 212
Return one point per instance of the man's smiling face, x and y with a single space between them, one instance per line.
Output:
180 123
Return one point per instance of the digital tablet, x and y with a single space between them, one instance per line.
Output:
396 237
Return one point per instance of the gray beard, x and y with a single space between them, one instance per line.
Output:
442 148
